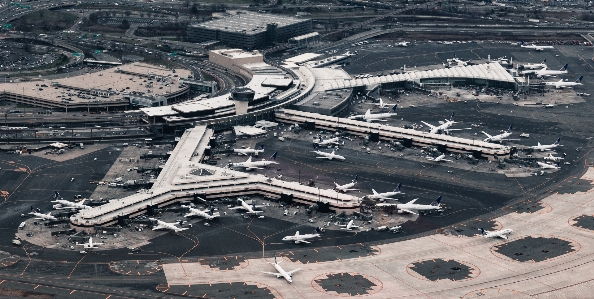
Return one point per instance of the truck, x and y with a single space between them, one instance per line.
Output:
82 146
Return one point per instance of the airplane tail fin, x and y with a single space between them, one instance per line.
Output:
544 61
181 222
558 141
564 155
56 194
318 230
262 146
511 126
315 147
579 80
437 202
373 190
452 117
394 108
356 176
564 68
522 43
398 187
273 157
482 231
211 212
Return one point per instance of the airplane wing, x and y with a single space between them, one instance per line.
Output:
430 126
409 211
278 275
503 236
250 168
329 158
487 134
293 271
302 241
412 201
386 204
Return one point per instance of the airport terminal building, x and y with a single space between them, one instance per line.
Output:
249 30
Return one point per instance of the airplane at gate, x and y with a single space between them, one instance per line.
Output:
346 187
90 244
501 137
249 164
249 151
440 158
562 84
443 128
41 216
541 65
555 159
349 226
204 214
169 226
546 147
371 117
385 195
547 166
247 207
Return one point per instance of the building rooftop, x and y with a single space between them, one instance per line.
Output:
248 23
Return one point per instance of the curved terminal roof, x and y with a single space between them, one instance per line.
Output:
487 71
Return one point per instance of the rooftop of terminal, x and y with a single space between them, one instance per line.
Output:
248 22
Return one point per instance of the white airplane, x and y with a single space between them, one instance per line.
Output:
443 128
210 215
58 145
288 276
346 187
555 159
562 84
169 226
90 244
302 238
501 137
382 104
349 226
385 195
541 65
440 158
547 73
456 61
546 147
41 216
249 164
370 117
327 141
547 166
496 234
535 47
71 205
247 207
329 156
402 44
410 206
249 151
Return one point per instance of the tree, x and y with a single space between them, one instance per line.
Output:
194 9
125 24
128 13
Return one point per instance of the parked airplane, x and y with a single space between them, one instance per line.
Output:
210 214
288 276
349 226
249 164
547 166
249 151
496 234
546 147
547 73
90 244
329 156
562 84
327 141
58 145
41 216
385 195
64 204
555 159
457 62
370 117
247 207
501 137
297 238
535 47
541 65
402 44
169 226
440 158
346 187
443 128
410 206
382 104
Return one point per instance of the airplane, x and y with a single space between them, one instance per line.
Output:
301 238
349 226
562 84
535 47
382 104
249 151
41 216
169 226
346 187
541 65
402 44
58 145
443 128
288 276
546 147
440 158
547 73
71 205
496 234
205 214
555 159
456 61
410 206
249 164
370 117
89 245
547 166
501 137
385 195
327 141
247 207
328 156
